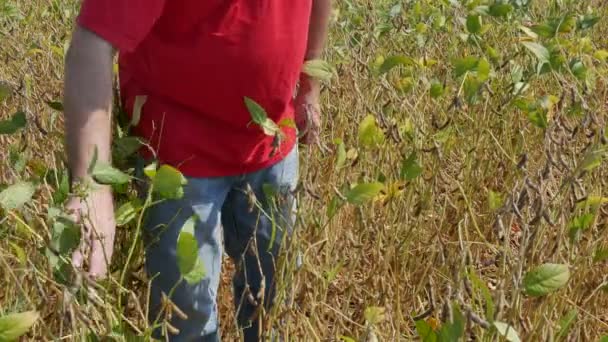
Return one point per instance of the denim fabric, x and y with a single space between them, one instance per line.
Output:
248 217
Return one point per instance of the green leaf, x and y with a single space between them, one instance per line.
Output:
592 159
319 69
364 192
126 146
565 323
188 261
586 22
538 50
396 10
168 182
507 331
340 154
410 168
14 124
128 212
604 339
260 118
437 89
187 246
333 207
56 105
600 255
196 274
393 61
579 224
500 9
66 235
138 105
474 23
464 65
578 69
545 279
425 331
370 135
105 174
544 30
5 91
472 88
538 118
16 195
15 325
453 331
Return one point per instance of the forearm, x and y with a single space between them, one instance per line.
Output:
88 100
317 33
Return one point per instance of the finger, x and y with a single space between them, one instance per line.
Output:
101 254
78 254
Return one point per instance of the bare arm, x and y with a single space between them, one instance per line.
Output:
88 100
308 112
317 33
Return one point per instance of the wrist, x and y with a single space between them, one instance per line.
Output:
308 83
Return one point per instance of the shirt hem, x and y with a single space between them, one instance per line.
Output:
197 171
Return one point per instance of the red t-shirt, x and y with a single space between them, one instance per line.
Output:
196 61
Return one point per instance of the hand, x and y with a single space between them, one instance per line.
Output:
308 112
95 214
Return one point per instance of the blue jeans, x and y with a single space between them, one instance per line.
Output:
250 216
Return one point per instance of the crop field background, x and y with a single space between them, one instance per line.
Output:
459 192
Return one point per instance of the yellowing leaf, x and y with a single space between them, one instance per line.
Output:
370 135
340 154
19 253
494 200
16 195
601 55
168 182
507 331
364 192
318 69
375 315
592 202
16 325
150 170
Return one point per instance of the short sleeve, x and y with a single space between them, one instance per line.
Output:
122 23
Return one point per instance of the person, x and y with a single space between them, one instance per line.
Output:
195 63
